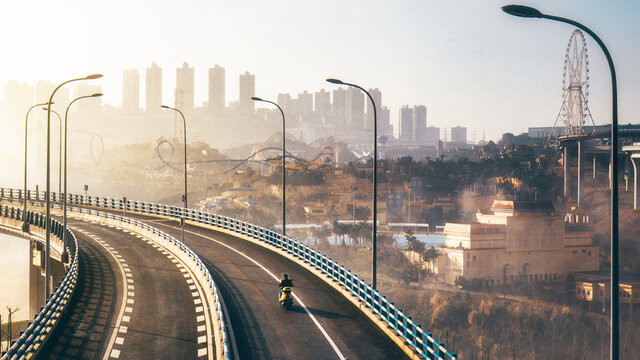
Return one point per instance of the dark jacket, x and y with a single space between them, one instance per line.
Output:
286 283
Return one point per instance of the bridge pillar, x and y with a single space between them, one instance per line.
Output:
36 279
566 170
635 160
580 156
634 150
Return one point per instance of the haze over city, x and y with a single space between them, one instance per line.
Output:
466 62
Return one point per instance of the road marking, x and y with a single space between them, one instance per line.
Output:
313 318
110 351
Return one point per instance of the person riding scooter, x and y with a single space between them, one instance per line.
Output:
285 297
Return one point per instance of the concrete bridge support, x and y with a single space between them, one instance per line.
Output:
635 160
634 150
574 154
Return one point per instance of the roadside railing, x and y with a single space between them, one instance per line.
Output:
32 340
421 342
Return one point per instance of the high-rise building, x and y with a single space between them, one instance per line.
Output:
459 135
153 88
384 122
285 102
355 109
405 120
432 135
247 91
340 105
377 98
419 122
131 91
217 101
322 102
305 103
184 88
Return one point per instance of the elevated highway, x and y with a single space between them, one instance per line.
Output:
335 314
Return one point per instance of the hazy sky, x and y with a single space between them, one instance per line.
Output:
467 61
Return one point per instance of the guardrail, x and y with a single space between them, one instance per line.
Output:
39 331
421 342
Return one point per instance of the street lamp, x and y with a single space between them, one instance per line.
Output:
184 197
528 12
375 175
284 172
47 286
64 202
25 224
59 150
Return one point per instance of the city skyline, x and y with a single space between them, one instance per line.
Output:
469 63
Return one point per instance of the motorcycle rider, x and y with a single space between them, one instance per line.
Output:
285 282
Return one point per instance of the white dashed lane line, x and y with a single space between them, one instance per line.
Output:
202 323
116 341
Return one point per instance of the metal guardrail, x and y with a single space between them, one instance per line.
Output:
420 341
39 331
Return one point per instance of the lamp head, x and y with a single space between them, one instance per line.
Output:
96 95
522 11
255 98
164 106
93 76
336 81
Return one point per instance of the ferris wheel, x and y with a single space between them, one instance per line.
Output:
574 112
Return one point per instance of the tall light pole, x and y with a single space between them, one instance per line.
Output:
47 286
528 12
64 202
375 175
184 197
59 149
284 171
25 224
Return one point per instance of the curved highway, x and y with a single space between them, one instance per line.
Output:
328 326
134 301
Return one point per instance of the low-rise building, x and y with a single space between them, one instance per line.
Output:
520 241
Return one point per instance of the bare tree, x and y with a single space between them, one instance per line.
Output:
11 312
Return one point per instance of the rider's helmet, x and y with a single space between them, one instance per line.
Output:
285 276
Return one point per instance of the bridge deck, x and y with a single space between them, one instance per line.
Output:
261 328
133 302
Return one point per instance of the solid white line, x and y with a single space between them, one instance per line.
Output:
313 318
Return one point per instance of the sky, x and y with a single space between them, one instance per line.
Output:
471 64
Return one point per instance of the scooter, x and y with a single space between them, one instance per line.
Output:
286 299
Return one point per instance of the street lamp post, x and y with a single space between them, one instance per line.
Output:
528 12
375 175
25 224
47 287
184 197
64 201
59 149
284 171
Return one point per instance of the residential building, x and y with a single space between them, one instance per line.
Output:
520 241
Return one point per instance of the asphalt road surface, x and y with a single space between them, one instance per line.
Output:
262 329
133 301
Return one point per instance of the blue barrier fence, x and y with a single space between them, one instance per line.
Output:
413 335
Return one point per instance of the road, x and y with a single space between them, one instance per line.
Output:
134 301
330 327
